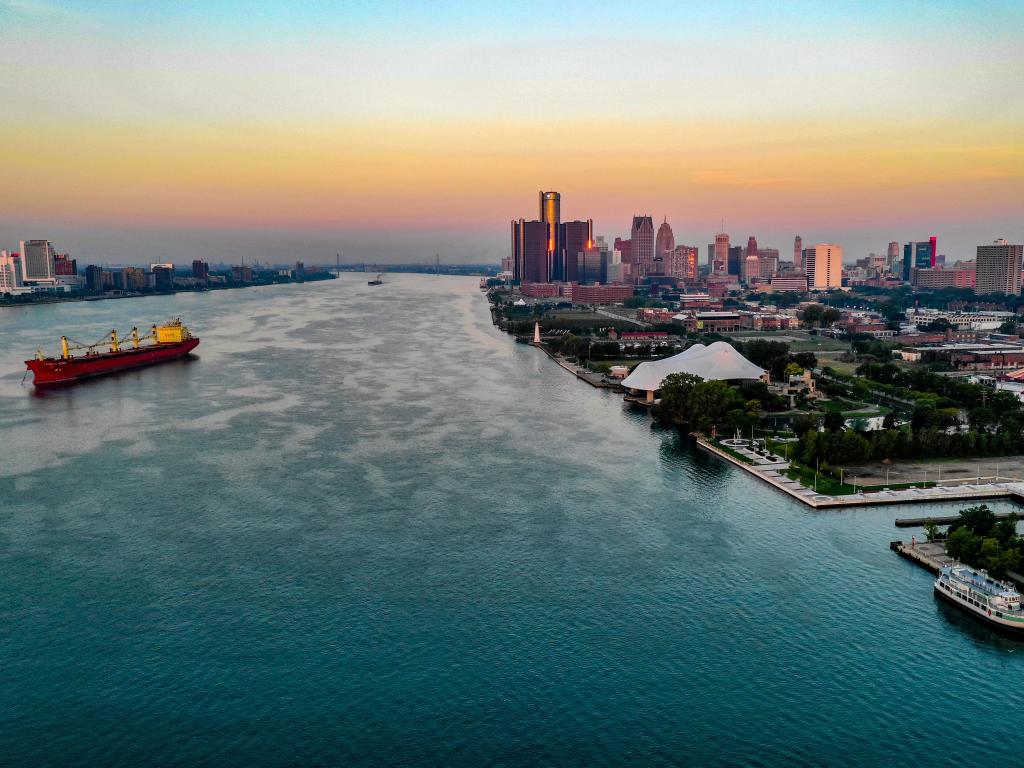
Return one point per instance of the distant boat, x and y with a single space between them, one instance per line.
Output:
377 280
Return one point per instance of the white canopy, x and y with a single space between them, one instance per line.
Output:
718 361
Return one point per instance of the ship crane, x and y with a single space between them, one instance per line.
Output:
113 339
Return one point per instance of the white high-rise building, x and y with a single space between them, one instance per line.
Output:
37 262
10 272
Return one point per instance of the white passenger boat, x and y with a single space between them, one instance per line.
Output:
993 601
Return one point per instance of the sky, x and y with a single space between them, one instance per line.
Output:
394 131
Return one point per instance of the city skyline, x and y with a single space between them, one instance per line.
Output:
302 134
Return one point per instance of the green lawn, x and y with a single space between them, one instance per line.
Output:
830 486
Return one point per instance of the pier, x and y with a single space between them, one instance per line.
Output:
917 522
930 555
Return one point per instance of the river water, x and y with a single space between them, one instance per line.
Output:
365 527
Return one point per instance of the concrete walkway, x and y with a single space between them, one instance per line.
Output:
773 473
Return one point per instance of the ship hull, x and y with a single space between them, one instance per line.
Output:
58 372
984 615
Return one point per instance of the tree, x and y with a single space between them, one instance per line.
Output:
834 421
1006 530
710 401
805 360
979 520
931 530
1009 327
812 314
675 396
794 369
963 545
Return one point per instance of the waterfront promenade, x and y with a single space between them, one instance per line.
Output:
773 473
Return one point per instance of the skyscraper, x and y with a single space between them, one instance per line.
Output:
574 237
591 265
918 255
37 259
798 247
892 255
751 267
665 240
10 272
681 263
720 266
769 262
998 268
824 266
807 261
734 261
550 213
642 245
530 251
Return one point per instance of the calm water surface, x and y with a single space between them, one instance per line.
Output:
364 527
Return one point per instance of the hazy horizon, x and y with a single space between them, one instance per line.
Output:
395 131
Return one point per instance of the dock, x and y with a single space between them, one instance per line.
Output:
917 522
930 555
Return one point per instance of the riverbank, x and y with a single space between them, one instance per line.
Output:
51 298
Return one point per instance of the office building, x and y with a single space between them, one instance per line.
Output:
720 263
681 263
998 268
10 272
752 247
200 270
892 254
134 279
529 251
936 279
824 263
37 259
751 268
64 265
550 214
734 261
642 245
918 255
665 241
591 266
163 277
798 250
574 237
94 278
769 262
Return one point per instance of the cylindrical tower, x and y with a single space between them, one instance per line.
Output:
550 214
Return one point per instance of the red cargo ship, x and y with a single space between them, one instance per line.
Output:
167 342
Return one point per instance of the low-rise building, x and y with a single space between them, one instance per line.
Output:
709 321
597 294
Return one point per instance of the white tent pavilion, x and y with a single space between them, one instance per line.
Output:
716 362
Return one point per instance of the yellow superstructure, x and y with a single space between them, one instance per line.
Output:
171 333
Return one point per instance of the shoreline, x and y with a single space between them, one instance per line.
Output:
56 299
